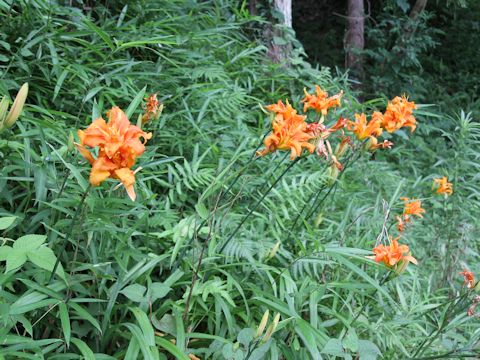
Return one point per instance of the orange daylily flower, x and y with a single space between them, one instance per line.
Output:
393 254
289 131
444 187
468 279
320 102
364 130
412 207
152 108
402 222
399 113
119 145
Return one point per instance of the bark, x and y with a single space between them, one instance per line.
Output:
280 53
354 40
252 7
417 9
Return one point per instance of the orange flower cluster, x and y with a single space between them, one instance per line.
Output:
369 130
412 207
468 279
118 145
393 255
153 108
444 187
289 131
320 102
399 114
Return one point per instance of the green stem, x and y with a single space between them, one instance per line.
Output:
70 232
258 203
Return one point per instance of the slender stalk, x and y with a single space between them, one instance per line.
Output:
258 203
70 232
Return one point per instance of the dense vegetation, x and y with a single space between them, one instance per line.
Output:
225 254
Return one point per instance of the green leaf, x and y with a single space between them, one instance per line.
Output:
6 222
45 258
135 102
171 348
4 251
135 292
29 242
368 350
15 259
159 291
351 340
85 315
84 349
100 33
65 321
245 336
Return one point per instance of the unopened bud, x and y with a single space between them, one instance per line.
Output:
3 109
71 142
263 324
332 175
139 121
17 106
159 112
274 250
271 329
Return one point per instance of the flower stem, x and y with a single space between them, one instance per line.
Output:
258 203
71 229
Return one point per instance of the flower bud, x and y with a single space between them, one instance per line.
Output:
3 109
274 250
271 329
332 175
71 142
17 106
262 324
159 112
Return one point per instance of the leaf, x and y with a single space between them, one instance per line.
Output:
333 347
135 102
45 258
4 251
100 33
6 222
171 348
65 321
351 340
15 259
145 325
245 336
368 350
29 242
84 349
134 292
85 315
159 291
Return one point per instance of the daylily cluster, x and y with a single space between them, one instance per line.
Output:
394 255
468 279
119 145
443 186
399 113
290 131
412 208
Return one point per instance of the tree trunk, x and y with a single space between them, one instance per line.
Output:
354 39
252 7
279 53
284 7
417 9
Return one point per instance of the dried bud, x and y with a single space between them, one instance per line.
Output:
17 106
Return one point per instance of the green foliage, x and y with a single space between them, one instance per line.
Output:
129 284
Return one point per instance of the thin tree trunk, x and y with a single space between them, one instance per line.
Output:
417 9
279 53
354 40
252 7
